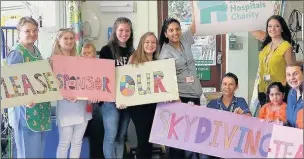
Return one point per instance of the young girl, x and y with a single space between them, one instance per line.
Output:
94 130
275 109
142 116
294 110
72 117
119 48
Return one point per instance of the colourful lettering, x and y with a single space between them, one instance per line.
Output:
36 76
72 83
106 81
127 86
165 121
98 83
173 123
15 87
229 138
59 76
48 81
189 124
141 91
27 84
243 132
202 136
299 153
90 80
5 89
80 83
217 124
158 76
261 150
250 141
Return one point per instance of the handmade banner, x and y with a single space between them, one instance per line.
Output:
151 82
85 78
286 142
28 82
220 17
210 131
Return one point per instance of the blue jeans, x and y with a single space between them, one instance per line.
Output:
116 124
29 144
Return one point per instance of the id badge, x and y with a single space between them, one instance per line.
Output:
267 78
189 79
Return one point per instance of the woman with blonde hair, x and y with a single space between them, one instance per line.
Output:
29 122
142 115
71 114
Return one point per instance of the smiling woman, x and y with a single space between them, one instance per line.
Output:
276 53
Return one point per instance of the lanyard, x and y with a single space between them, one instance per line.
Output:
231 107
184 56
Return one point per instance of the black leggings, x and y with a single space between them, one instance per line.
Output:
142 117
95 133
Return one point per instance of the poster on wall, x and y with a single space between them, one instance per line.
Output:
151 82
220 17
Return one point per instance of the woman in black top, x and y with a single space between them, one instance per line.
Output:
115 119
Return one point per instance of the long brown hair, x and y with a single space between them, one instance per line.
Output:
140 56
114 42
56 48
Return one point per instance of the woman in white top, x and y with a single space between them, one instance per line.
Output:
72 116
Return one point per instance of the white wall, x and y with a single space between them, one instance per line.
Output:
237 63
144 20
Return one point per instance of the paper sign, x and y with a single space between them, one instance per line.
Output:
220 17
210 131
85 78
28 82
286 142
151 82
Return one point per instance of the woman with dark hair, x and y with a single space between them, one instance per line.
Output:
228 102
115 118
276 53
175 44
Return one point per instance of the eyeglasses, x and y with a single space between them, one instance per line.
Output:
28 32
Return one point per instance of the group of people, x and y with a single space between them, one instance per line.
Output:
277 71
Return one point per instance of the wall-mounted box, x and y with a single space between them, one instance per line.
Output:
118 6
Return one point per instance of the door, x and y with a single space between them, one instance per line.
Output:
208 51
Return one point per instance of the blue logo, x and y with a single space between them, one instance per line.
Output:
207 7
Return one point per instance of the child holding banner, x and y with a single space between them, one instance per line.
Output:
275 109
94 130
116 122
29 122
72 116
294 110
142 115
175 44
